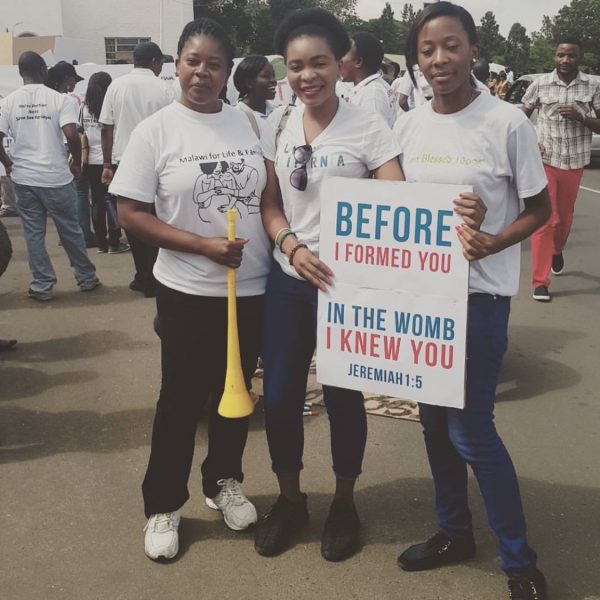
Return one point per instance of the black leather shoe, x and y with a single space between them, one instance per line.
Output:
528 587
340 535
437 551
277 526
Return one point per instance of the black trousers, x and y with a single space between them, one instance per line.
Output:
193 333
107 232
144 257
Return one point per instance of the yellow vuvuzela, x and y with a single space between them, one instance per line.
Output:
236 401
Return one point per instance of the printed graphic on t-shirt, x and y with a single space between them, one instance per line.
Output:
229 185
286 158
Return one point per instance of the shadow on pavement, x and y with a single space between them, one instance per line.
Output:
85 345
528 370
594 291
562 519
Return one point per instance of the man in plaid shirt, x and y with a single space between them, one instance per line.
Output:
569 111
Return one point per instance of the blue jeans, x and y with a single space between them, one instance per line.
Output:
289 338
455 438
34 205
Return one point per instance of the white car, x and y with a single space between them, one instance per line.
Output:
517 91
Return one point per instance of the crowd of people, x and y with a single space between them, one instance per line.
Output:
176 163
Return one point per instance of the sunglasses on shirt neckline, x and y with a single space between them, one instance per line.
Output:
299 176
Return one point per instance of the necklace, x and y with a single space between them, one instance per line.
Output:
474 94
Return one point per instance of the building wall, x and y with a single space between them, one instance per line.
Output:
6 48
41 17
93 20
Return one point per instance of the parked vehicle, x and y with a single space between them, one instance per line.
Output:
517 91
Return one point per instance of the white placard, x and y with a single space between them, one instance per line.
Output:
394 322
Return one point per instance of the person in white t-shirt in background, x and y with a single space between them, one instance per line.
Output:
128 101
37 117
254 79
412 93
104 210
362 66
168 154
466 137
63 78
510 76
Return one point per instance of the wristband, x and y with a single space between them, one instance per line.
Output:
106 166
294 250
290 232
276 240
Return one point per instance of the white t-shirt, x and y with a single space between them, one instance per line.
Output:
34 115
197 165
93 130
258 117
129 100
342 149
491 146
374 93
416 95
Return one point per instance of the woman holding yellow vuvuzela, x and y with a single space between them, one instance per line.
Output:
198 157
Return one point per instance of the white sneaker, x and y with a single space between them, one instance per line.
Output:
238 512
162 539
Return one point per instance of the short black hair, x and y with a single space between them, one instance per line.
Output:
211 28
247 71
145 52
369 49
312 22
571 40
433 11
481 70
32 64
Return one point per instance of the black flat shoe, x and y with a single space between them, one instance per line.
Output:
437 551
340 535
279 524
528 587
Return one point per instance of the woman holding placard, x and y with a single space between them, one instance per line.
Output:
463 123
302 145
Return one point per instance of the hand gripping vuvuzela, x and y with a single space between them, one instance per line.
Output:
236 401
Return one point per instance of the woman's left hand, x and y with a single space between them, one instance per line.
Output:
471 208
476 244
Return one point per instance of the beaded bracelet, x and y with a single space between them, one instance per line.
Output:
285 235
294 250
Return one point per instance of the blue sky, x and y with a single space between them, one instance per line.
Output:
529 12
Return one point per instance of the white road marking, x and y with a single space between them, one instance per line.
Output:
587 189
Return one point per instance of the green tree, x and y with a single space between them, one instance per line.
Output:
491 42
408 15
541 54
580 19
391 32
517 49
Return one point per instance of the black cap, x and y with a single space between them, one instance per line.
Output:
65 69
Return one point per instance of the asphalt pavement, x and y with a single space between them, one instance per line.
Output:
76 406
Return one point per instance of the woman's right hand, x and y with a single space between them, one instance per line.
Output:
309 267
224 252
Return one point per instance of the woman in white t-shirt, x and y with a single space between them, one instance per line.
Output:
492 147
255 80
302 145
168 157
104 211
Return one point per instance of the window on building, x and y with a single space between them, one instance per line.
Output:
119 50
